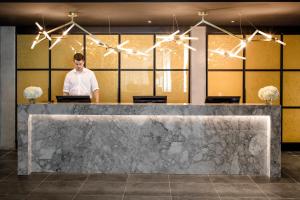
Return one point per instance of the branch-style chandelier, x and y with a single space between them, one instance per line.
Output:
233 53
175 37
178 39
70 25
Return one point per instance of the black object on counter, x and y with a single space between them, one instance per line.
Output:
222 99
149 99
73 99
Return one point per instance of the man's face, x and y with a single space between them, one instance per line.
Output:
79 65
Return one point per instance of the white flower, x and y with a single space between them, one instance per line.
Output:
32 92
268 93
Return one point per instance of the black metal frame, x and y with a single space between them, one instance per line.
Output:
119 69
295 146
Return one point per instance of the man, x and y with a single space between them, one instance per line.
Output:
80 80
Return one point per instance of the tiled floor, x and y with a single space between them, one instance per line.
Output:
45 186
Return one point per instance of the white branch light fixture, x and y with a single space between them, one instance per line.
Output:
71 24
178 39
243 43
233 53
237 49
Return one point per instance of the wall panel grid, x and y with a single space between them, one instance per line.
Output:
267 63
120 76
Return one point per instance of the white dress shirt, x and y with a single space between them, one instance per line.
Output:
80 83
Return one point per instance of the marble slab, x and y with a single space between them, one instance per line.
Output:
182 139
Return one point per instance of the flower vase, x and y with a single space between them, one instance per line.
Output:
31 101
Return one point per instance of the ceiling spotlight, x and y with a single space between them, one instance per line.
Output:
149 21
232 21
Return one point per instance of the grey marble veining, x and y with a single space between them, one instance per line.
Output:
194 139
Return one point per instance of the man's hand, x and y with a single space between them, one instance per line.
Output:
96 95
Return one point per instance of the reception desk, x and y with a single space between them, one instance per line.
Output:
147 138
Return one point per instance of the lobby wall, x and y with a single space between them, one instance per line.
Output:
7 87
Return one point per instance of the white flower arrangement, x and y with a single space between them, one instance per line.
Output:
268 93
32 92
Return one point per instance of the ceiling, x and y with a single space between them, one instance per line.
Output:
160 13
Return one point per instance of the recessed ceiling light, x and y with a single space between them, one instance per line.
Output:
232 21
149 21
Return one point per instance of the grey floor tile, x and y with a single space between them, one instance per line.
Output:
12 155
281 190
162 178
98 197
66 177
194 198
145 189
32 177
244 198
13 197
229 179
8 164
284 198
5 173
4 152
178 178
17 187
108 177
294 174
50 197
238 190
58 187
263 179
103 188
193 190
127 197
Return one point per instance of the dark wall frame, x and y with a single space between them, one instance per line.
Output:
101 31
290 146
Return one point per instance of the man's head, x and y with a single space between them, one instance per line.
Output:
78 61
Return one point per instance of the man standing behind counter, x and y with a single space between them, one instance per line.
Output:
80 80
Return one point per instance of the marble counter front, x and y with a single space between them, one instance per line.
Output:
148 138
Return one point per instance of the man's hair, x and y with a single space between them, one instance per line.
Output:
78 57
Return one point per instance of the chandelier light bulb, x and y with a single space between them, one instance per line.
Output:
243 43
280 42
67 31
268 36
56 42
39 26
33 44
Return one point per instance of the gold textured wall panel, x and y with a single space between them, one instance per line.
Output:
224 42
108 86
257 80
225 84
57 83
32 58
136 83
263 54
174 85
291 88
291 55
170 55
62 54
32 78
141 43
290 126
95 55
